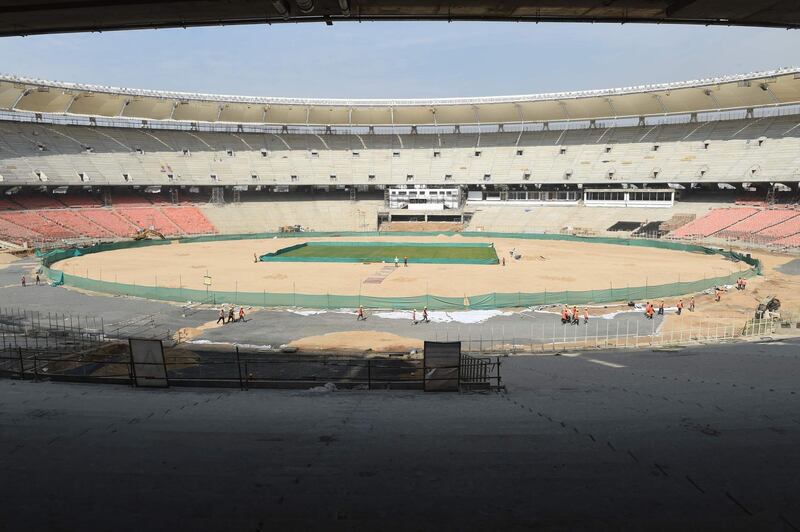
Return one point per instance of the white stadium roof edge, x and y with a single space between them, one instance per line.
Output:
760 89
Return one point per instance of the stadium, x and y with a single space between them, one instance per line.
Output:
712 160
607 277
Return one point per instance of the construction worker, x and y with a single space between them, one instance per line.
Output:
717 294
414 317
744 283
564 315
231 316
241 314
37 279
221 315
586 315
650 311
576 318
691 305
360 314
396 262
425 315
405 262
661 308
23 281
680 306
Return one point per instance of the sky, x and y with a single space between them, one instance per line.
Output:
399 60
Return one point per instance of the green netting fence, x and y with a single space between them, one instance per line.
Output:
335 301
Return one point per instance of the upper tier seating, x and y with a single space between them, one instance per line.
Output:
714 222
753 150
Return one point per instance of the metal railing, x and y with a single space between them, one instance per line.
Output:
62 332
605 334
479 373
246 371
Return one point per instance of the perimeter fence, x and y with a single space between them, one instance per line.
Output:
605 334
486 301
479 366
233 369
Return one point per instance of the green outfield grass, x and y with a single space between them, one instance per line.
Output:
430 253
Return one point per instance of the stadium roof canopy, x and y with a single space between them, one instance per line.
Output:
26 17
775 88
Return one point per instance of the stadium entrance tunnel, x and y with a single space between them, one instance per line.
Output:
485 301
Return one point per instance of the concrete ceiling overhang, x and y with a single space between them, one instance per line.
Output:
29 17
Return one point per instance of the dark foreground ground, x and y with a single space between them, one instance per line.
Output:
704 438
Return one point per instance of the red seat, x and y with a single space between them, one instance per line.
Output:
16 234
190 220
81 200
714 222
758 222
150 217
31 219
8 205
110 221
76 222
38 201
783 229
789 241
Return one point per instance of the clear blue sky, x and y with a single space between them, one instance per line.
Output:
395 60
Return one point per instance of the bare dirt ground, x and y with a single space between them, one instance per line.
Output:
552 266
375 341
6 259
736 307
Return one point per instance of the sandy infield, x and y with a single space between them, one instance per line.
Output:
736 307
545 265
6 259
